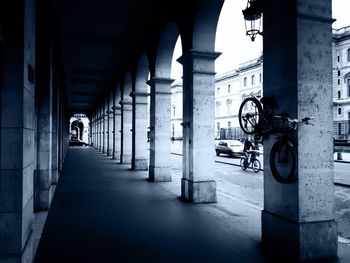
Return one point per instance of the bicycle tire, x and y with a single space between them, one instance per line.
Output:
283 161
241 163
253 127
256 165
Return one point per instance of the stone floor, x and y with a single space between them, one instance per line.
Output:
103 212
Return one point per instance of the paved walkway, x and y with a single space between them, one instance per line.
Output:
103 212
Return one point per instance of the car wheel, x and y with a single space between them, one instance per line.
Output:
217 153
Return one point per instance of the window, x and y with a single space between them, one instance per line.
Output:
218 129
218 105
338 81
245 82
174 111
229 88
338 58
349 54
260 78
253 80
218 91
339 94
339 110
339 128
173 130
229 106
338 73
229 124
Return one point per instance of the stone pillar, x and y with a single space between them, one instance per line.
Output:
105 126
110 113
93 129
198 185
44 166
100 130
17 133
298 217
140 154
160 159
55 118
117 125
126 136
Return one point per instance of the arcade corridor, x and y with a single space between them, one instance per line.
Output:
98 58
103 212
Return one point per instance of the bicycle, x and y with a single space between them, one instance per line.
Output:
250 159
257 117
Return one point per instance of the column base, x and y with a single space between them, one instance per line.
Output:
140 164
44 197
299 242
159 173
198 192
54 174
105 150
117 156
125 158
110 152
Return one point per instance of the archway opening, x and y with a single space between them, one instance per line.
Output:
79 129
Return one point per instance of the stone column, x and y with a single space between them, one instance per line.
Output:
110 125
126 136
93 129
55 118
117 125
197 184
298 218
100 129
44 166
105 126
140 154
17 133
160 159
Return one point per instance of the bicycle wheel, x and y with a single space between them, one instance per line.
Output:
249 115
243 163
282 161
256 165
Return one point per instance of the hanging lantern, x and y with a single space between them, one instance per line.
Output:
252 18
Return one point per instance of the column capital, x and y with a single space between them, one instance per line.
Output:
202 61
134 94
123 102
197 54
157 80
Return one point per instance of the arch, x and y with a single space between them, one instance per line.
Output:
79 124
142 73
126 87
165 51
205 25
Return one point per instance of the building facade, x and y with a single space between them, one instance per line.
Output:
176 110
231 89
341 83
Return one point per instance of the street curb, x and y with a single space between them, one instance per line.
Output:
339 161
335 183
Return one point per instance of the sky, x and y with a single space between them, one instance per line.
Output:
235 46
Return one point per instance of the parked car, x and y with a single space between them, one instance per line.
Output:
233 148
77 142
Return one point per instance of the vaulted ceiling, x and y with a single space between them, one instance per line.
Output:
101 39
